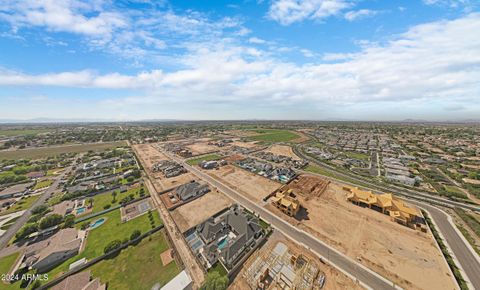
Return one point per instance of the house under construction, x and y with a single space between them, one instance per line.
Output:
387 204
281 269
287 202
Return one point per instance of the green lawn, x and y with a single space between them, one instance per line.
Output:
356 155
101 200
209 157
7 262
55 171
22 204
453 189
269 135
138 267
43 184
218 268
36 153
112 229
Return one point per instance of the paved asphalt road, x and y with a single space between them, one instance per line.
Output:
7 236
367 277
469 261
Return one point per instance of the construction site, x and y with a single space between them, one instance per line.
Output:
250 184
159 166
389 205
183 194
408 257
198 210
282 264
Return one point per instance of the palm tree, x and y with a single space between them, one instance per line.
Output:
114 195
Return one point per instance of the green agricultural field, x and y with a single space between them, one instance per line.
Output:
209 157
10 133
43 184
36 153
112 229
269 135
132 268
22 204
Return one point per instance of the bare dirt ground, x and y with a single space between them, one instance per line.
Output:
200 209
335 279
252 185
250 144
168 183
149 155
199 148
409 258
303 138
282 150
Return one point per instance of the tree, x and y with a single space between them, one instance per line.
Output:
135 234
90 202
69 221
50 221
85 225
215 281
114 195
26 230
113 245
40 209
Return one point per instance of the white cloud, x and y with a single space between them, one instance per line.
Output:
123 32
63 16
256 40
434 61
359 14
287 12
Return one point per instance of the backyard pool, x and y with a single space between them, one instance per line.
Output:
97 223
222 243
80 210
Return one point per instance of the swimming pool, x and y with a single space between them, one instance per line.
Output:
97 223
80 210
222 244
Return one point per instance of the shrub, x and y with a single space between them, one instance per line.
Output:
50 221
107 206
26 230
69 221
113 245
39 209
85 225
135 234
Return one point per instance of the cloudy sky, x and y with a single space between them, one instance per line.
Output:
277 59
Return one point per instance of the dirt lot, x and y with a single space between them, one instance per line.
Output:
408 257
148 157
250 144
250 184
282 150
200 148
335 280
198 210
308 185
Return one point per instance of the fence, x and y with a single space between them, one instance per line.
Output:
97 259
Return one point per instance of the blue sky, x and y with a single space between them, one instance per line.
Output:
278 59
